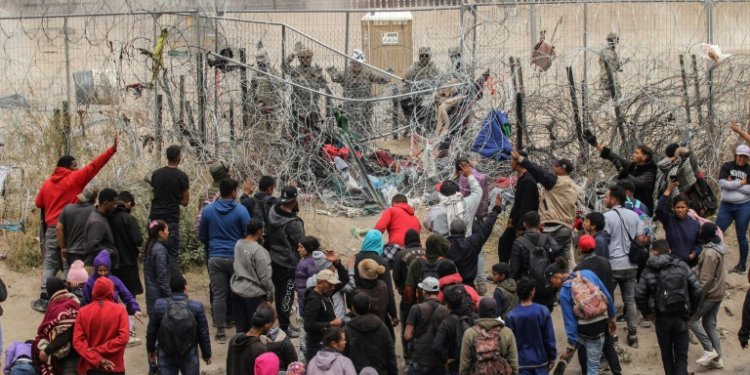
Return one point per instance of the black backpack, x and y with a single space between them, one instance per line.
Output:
672 296
540 256
428 269
257 207
178 331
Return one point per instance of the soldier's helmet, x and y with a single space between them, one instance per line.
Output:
261 58
305 52
454 51
613 37
358 55
425 51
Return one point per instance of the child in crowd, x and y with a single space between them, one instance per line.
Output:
102 266
156 265
306 266
535 335
505 292
18 359
77 277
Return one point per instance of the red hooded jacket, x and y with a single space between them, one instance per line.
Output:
455 278
101 330
65 184
397 220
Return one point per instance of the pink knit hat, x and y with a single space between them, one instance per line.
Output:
77 274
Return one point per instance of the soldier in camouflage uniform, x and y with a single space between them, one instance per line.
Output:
357 83
422 75
306 114
608 57
457 70
266 97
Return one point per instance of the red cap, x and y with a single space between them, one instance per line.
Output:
586 243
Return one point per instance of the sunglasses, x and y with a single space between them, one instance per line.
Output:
424 55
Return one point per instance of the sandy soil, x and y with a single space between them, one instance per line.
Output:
20 322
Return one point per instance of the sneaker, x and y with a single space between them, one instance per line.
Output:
707 357
633 341
716 364
738 269
221 336
39 305
645 323
133 341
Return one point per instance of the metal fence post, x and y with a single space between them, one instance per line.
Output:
585 52
67 69
244 92
201 98
709 7
532 23
66 126
157 102
157 121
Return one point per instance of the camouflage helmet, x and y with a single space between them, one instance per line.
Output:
358 55
425 51
261 57
305 52
613 36
454 51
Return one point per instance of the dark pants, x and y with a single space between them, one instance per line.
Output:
404 308
100 372
415 369
283 281
672 335
185 365
505 244
610 354
244 308
173 246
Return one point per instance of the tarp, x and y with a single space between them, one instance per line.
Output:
493 140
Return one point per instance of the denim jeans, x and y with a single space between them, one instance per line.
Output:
672 335
703 325
25 368
186 365
740 213
625 279
590 353
52 260
220 271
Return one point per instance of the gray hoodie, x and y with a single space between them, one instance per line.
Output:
252 270
710 271
330 362
285 230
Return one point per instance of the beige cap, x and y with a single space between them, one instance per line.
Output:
305 52
328 275
425 50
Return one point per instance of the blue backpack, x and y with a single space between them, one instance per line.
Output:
493 140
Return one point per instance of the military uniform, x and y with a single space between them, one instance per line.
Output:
608 57
305 104
422 75
357 83
266 94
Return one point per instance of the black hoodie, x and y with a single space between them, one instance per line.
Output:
243 350
643 176
369 344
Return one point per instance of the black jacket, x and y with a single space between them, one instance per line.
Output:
401 265
377 292
599 266
464 250
526 199
744 333
242 352
643 176
519 256
645 292
318 314
369 344
448 338
128 237
284 230
386 276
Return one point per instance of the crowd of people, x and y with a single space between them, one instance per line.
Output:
264 268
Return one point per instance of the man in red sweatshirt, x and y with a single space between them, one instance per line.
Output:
397 220
101 332
59 190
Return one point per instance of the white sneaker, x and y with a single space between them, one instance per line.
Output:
133 341
716 364
707 357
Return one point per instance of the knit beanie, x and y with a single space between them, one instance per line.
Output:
321 262
54 285
370 269
708 233
77 274
446 267
411 238
436 246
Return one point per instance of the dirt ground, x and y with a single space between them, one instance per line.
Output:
19 322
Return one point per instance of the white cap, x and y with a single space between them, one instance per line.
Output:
358 55
429 284
742 150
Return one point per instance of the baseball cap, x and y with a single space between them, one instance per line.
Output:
742 150
429 284
586 243
87 195
288 194
568 165
328 275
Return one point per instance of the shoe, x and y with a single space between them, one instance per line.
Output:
707 357
738 269
716 364
133 341
221 336
39 305
693 340
633 341
645 323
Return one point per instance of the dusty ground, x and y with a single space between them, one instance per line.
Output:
19 321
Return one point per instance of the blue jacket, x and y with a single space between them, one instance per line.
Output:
566 304
602 244
223 223
535 337
160 308
682 235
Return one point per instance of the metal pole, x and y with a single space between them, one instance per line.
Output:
157 110
231 119
217 80
474 41
346 44
585 50
574 103
157 121
697 91
462 28
243 91
685 96
67 65
66 126
709 5
182 99
532 23
201 99
283 44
